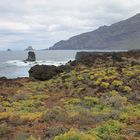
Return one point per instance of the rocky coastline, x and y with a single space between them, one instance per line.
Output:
97 96
96 59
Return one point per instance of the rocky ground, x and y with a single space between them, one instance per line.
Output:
96 99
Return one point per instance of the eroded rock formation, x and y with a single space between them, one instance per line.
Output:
31 57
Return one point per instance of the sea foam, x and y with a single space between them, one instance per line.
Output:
20 63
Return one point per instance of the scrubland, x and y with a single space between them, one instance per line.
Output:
86 103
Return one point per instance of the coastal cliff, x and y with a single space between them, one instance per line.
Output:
118 36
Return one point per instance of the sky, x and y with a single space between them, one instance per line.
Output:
41 23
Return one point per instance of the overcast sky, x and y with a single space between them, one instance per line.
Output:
41 23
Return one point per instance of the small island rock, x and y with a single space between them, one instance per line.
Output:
31 57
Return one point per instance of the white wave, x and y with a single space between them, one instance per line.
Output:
20 63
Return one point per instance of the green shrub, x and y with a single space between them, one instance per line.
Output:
55 131
105 84
68 85
113 93
84 117
24 136
127 89
55 114
73 73
21 136
117 83
32 138
111 130
2 109
97 82
91 77
21 96
73 101
15 119
74 134
5 104
80 78
130 113
90 101
79 90
3 130
116 101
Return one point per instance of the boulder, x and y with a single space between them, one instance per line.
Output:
31 57
45 72
42 72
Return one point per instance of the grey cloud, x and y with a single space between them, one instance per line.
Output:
41 23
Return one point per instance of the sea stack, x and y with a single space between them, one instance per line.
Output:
31 57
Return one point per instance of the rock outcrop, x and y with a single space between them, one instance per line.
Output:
128 54
93 58
45 72
31 57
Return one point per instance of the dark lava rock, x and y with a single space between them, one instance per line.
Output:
31 57
90 58
115 55
45 72
9 82
42 72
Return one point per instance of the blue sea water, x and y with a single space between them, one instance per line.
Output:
12 65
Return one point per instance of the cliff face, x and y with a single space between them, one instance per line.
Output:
122 35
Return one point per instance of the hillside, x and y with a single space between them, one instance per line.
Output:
123 35
97 99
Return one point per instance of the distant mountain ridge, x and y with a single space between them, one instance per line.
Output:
121 35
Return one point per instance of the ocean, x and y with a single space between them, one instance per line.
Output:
13 66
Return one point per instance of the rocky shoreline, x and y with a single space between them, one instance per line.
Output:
45 72
94 97
89 59
96 59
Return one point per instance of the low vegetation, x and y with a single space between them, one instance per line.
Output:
87 103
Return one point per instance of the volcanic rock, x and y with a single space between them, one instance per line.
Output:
31 57
45 72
